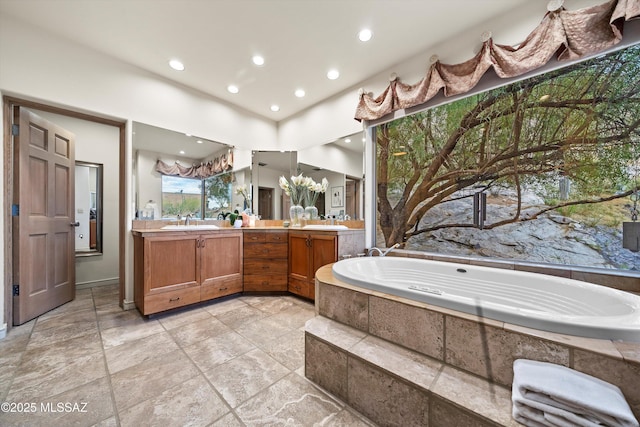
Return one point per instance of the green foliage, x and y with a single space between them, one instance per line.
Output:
581 122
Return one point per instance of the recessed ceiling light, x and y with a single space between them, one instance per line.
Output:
333 74
233 89
300 93
199 142
181 151
275 108
365 35
258 60
347 140
176 65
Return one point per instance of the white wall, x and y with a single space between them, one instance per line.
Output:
334 158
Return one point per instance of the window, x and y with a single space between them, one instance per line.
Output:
184 196
541 170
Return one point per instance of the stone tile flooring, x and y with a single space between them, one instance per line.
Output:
234 362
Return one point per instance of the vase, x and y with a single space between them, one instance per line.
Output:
295 214
311 212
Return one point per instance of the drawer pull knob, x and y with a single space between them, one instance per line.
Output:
223 289
174 299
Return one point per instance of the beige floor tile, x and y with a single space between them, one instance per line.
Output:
192 403
263 331
287 349
150 378
192 333
178 318
113 316
211 352
290 401
139 351
187 367
240 316
119 335
239 379
83 406
47 376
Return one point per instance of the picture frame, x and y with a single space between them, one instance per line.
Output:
337 196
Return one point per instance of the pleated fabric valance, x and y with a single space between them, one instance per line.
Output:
220 164
567 34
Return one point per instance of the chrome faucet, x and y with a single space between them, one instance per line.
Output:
380 252
187 219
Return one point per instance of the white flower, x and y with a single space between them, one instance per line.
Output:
325 185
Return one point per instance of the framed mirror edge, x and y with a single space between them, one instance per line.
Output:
95 203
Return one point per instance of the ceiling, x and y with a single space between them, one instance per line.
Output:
300 40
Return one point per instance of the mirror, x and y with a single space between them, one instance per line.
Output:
159 196
342 163
269 201
88 216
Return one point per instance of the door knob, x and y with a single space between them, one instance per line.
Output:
75 224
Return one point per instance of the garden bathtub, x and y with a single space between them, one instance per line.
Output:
532 300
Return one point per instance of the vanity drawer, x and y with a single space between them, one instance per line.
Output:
265 250
266 282
300 287
253 236
161 301
276 237
221 287
260 266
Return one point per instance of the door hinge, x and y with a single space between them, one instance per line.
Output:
15 130
16 290
15 210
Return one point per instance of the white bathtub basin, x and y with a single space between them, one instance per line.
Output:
326 227
191 227
533 300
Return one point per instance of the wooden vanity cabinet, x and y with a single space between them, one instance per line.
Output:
307 253
220 265
176 269
265 260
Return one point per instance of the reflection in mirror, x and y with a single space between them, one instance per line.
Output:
269 201
163 195
88 215
342 163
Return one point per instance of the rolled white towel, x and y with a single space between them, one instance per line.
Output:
545 394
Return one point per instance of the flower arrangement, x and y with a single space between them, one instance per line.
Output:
314 189
296 189
243 191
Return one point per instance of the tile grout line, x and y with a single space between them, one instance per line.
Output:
116 413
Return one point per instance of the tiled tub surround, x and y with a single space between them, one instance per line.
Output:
433 365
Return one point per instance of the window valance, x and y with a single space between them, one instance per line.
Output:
220 164
567 34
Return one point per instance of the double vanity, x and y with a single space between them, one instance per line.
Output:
177 265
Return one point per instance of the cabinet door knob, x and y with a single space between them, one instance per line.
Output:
223 289
174 299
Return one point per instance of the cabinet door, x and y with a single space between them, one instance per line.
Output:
170 263
220 264
324 250
299 260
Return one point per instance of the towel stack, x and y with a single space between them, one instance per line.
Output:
545 394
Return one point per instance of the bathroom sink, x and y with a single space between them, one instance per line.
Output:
325 227
191 227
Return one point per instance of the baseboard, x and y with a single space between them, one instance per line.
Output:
128 305
101 282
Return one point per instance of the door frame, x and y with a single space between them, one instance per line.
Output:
8 103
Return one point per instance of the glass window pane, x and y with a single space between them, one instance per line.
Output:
181 196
